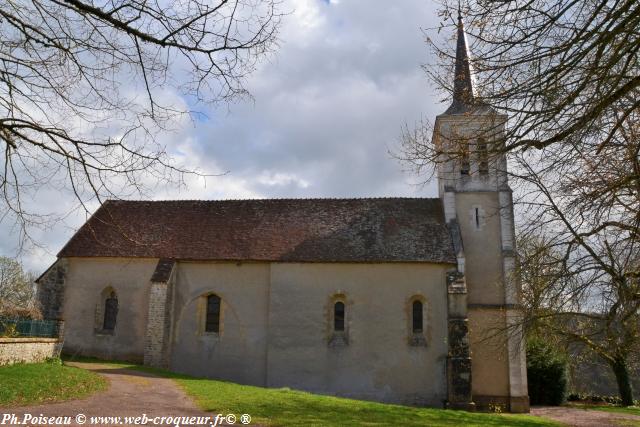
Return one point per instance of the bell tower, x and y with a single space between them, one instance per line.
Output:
478 207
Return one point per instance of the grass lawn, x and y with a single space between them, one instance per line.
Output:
293 408
632 410
284 407
26 384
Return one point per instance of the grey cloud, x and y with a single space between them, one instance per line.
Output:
326 110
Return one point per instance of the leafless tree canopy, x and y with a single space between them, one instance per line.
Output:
559 69
84 85
567 74
17 289
564 70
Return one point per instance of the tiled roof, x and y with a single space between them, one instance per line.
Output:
293 230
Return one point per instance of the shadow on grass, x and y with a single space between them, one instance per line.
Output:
89 359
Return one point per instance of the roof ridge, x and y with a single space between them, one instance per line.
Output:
268 199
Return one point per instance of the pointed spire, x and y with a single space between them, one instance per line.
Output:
462 85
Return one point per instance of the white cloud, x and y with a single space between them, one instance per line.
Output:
307 14
327 108
271 179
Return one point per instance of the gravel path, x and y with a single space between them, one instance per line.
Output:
584 417
130 394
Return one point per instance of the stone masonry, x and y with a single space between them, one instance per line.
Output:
156 347
459 357
28 350
51 290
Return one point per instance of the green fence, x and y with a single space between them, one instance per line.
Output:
29 328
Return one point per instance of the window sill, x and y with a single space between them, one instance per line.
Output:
338 339
104 332
212 335
417 340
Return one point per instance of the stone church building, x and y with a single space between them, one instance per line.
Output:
390 299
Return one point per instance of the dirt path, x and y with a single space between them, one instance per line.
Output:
584 417
130 394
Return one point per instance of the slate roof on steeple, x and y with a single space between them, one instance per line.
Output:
463 99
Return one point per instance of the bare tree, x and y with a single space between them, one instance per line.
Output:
86 85
562 71
558 69
566 74
570 300
581 200
17 288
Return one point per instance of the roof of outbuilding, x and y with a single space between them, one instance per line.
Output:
286 230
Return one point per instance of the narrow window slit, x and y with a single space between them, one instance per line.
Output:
338 316
213 314
110 312
417 317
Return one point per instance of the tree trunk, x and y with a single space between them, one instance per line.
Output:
619 366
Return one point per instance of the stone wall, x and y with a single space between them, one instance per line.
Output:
51 290
156 345
155 325
276 327
87 279
28 350
379 359
238 352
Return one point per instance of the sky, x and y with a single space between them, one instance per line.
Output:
328 106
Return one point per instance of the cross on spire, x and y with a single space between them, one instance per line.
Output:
462 85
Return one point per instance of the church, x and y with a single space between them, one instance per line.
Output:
404 300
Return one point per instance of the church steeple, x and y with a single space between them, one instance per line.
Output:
462 86
478 207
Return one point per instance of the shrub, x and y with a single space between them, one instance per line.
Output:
596 398
8 330
546 373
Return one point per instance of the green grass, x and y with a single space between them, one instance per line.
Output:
632 410
284 407
26 384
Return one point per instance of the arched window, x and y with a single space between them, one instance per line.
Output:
110 312
212 323
417 317
338 316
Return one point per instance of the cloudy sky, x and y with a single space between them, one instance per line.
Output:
327 108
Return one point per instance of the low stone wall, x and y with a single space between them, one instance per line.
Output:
28 350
